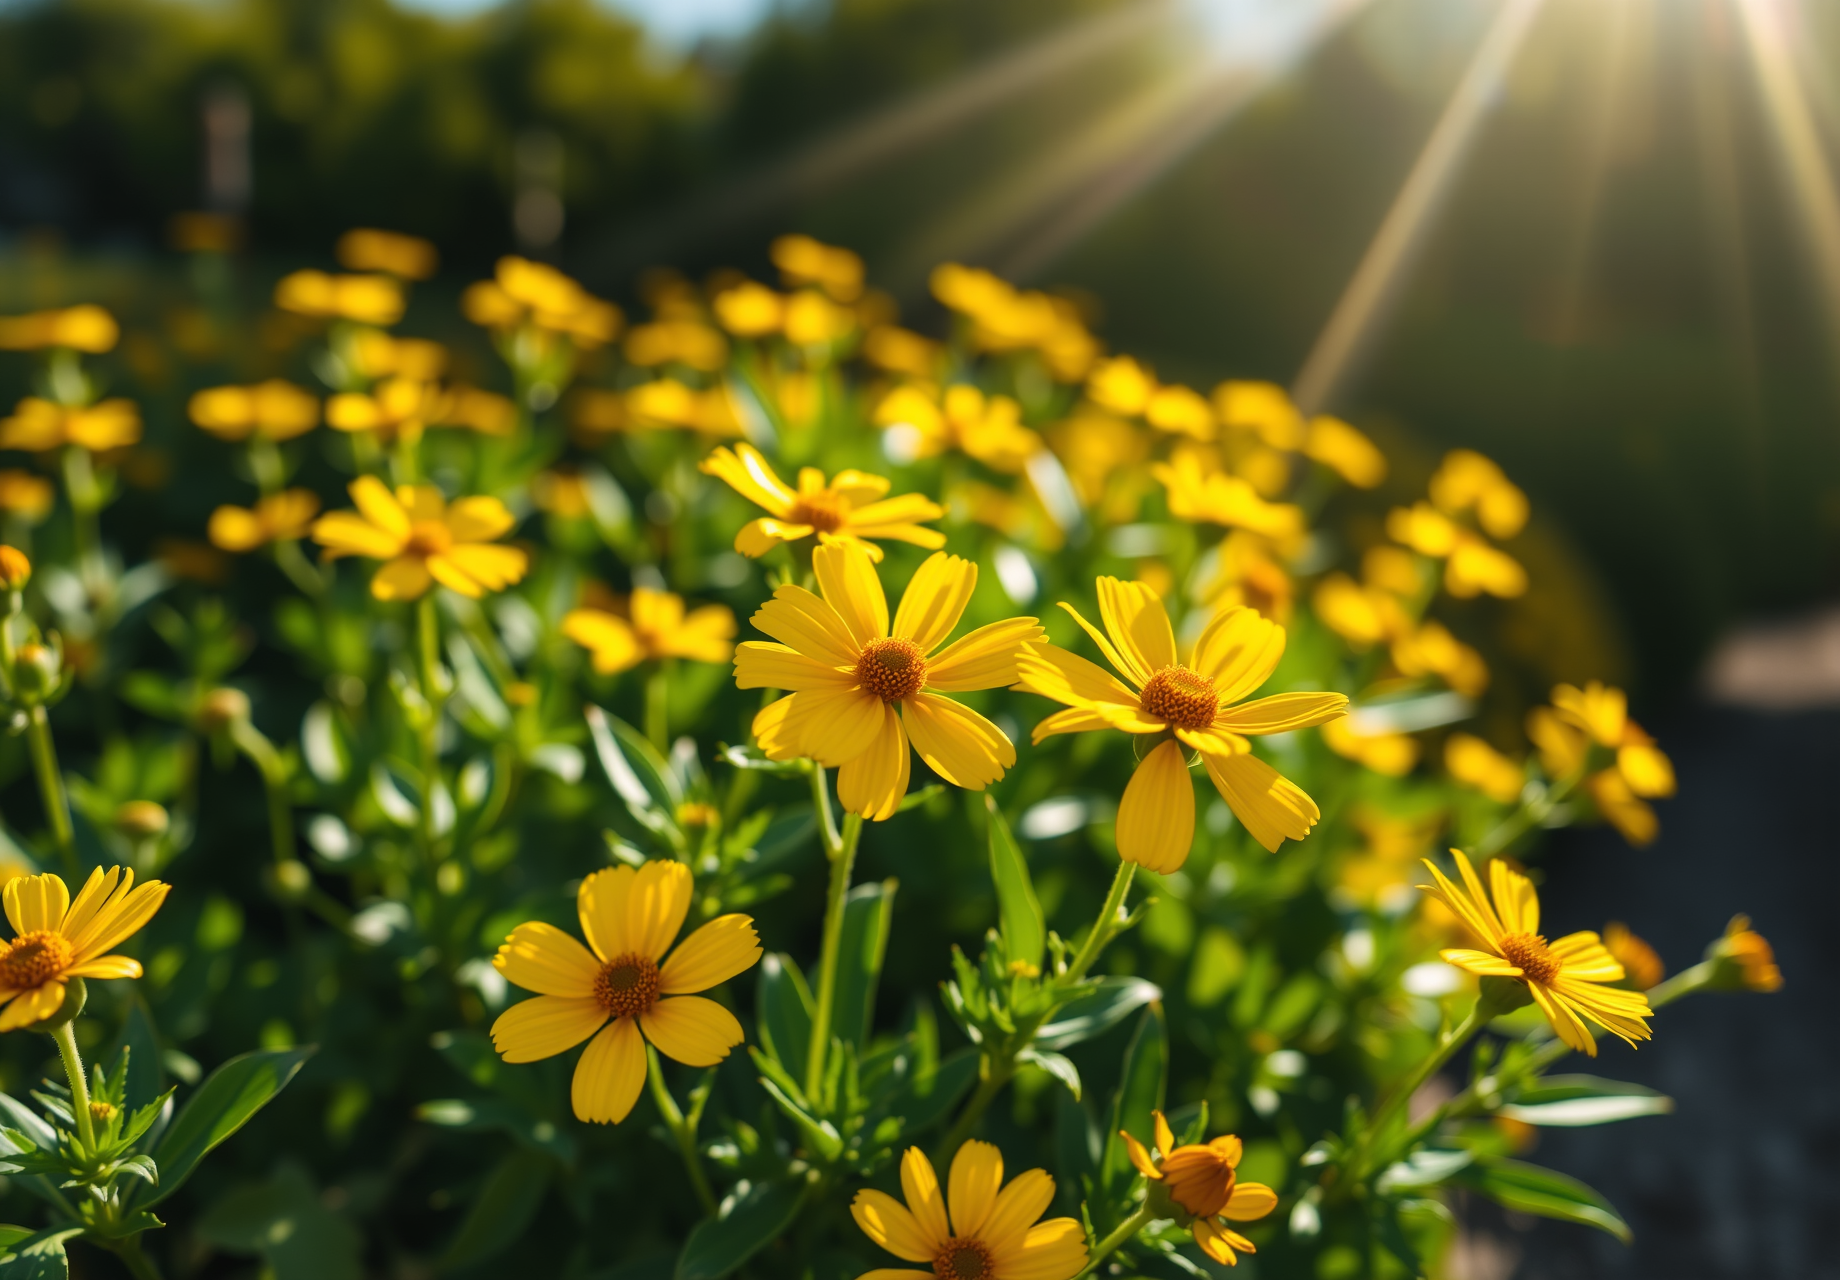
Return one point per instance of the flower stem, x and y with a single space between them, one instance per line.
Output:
139 1265
683 1131
1118 1238
1103 927
428 635
842 856
51 786
657 707
1451 1041
997 1074
66 1037
262 754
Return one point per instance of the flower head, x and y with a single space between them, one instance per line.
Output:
525 292
1640 771
624 988
1475 763
366 299
38 425
1344 451
1195 492
1568 979
658 628
1202 1180
987 428
277 517
81 328
274 410
26 495
1746 958
1176 704
15 568
849 509
991 1233
56 939
368 249
803 260
1642 966
865 688
422 539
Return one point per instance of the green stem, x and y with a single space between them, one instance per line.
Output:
262 754
1452 1040
51 786
66 1037
428 634
85 505
657 706
1530 813
998 1075
843 859
682 1131
139 1265
1117 1239
1688 980
300 571
1104 927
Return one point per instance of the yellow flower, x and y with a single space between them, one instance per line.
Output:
1121 385
1264 408
750 310
686 342
659 628
1431 649
1379 873
991 1234
813 319
379 355
56 939
1423 528
1385 751
1475 763
1203 1179
1750 954
525 292
1101 454
849 669
903 351
1475 567
395 408
620 988
669 403
274 410
1196 493
1641 771
987 428
1195 704
15 568
849 510
423 540
83 328
1344 451
1466 480
1181 411
368 249
1007 319
26 495
1361 616
1639 961
367 299
38 425
1247 574
1567 979
803 260
278 517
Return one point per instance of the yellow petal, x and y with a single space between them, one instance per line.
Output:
97 892
757 537
1165 1139
803 621
449 574
379 506
896 1273
1272 807
1123 666
705 636
36 902
1515 901
1156 817
608 638
847 578
105 967
610 1074
1138 624
421 502
1483 926
235 529
541 957
750 475
924 1198
886 1221
983 659
960 745
935 600
1051 1250
346 533
1016 1208
1066 677
492 566
1238 651
117 919
905 512
693 1030
479 519
532 1030
1282 712
601 904
873 782
971 1186
1473 883
834 726
1139 1156
1249 1202
769 730
759 665
32 1005
713 954
406 578
1483 963
656 906
1565 1023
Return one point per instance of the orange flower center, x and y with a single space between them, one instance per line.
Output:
824 511
429 538
32 959
891 669
1181 697
1529 953
627 985
962 1260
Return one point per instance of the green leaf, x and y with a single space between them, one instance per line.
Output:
38 1255
867 914
219 1107
1140 1091
1111 1002
926 1098
1025 931
138 1037
783 1013
1573 1101
502 1211
750 758
821 1137
641 776
750 1216
1531 1189
1423 1169
1056 1065
284 1221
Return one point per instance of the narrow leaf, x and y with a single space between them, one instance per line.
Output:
221 1105
1025 932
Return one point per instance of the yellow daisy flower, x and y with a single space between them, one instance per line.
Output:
987 428
1195 704
1202 1178
1567 979
38 425
991 1235
273 410
56 939
423 540
279 517
659 628
849 509
849 670
624 988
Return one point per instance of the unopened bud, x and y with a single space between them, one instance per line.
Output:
520 693
1743 960
15 569
102 1112
222 708
142 820
35 670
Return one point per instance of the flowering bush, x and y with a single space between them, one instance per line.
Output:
608 937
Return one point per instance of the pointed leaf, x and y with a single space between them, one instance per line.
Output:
502 1211
1549 1194
783 1012
750 1216
1025 932
867 915
1109 1003
220 1106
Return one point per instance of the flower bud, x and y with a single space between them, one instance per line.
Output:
1743 960
35 669
222 708
102 1112
15 569
142 820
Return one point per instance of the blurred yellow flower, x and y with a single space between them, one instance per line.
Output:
1466 480
1344 451
803 260
1007 319
1261 407
625 988
1423 528
1360 616
56 940
1431 650
278 517
81 328
667 402
657 628
422 540
274 410
1475 567
1642 967
1246 573
367 299
561 492
1750 954
368 249
1567 979
811 319
1203 1178
849 668
1385 751
1196 493
1182 411
39 425
1475 763
1101 455
850 509
1173 704
401 408
381 355
991 1235
685 342
987 428
750 310
903 351
26 495
522 291
1379 873
1391 569
1121 385
1640 771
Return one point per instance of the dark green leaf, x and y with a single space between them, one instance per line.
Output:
926 1099
221 1105
1140 1091
1423 1169
1113 1000
1025 933
867 914
750 758
503 1209
38 1256
284 1220
749 1217
783 1012
641 776
1572 1101
138 1037
1056 1065
1531 1189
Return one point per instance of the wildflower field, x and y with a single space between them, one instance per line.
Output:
744 784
